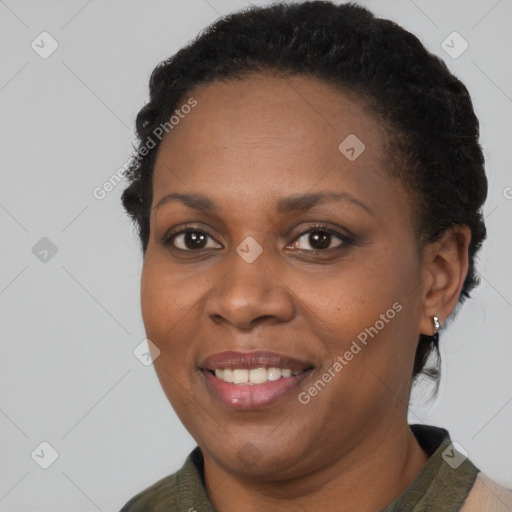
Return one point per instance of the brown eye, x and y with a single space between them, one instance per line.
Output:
319 239
190 240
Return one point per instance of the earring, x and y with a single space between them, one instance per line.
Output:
437 327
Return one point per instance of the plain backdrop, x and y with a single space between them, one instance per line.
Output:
71 263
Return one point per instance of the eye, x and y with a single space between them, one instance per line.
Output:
320 238
190 239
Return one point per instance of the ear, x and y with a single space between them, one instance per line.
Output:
445 266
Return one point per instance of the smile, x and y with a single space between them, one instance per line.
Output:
252 380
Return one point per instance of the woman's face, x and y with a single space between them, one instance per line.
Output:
300 255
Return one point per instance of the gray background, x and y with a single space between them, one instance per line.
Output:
69 324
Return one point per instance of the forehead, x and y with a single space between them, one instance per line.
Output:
271 135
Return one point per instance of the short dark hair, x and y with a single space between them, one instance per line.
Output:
433 143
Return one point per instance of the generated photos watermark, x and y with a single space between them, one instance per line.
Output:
341 361
100 192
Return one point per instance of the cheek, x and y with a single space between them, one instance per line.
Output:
165 302
354 296
166 305
365 314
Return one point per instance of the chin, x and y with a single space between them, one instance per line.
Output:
263 458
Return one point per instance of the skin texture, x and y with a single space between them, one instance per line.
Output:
246 145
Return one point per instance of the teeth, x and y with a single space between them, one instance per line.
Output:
274 373
258 375
240 376
253 376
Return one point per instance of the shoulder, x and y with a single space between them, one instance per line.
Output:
488 495
159 497
182 491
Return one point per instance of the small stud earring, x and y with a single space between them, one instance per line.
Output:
437 327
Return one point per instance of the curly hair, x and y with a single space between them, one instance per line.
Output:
432 144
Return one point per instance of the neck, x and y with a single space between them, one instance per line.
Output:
367 479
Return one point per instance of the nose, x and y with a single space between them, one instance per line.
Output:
248 294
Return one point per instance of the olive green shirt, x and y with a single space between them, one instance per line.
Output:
442 485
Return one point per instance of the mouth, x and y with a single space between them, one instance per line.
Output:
252 380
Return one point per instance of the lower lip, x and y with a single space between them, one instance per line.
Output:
255 396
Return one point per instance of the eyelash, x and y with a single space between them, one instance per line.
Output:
345 239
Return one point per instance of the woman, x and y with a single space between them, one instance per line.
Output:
308 190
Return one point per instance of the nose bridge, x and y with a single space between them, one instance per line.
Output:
250 289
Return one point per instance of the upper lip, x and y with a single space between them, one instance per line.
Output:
250 360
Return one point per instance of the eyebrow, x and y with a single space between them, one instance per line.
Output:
293 203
